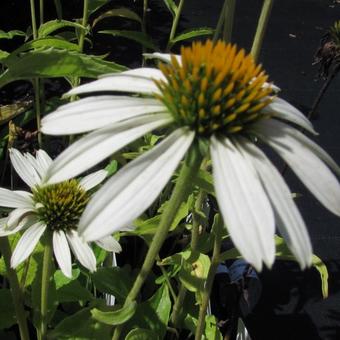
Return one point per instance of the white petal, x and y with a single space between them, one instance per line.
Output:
118 82
109 243
43 162
290 222
82 251
244 204
16 215
98 145
24 168
283 110
25 223
14 199
92 180
97 112
147 72
62 253
27 243
165 57
303 161
128 193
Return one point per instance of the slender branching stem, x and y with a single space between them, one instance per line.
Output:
229 20
261 28
175 23
16 292
41 11
209 282
45 284
220 22
34 20
181 191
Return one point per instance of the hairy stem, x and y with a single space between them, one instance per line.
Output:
180 193
16 292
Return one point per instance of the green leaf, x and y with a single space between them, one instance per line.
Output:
172 7
11 34
51 26
53 63
138 37
118 12
141 334
211 329
111 168
116 317
3 54
193 33
81 326
115 281
205 181
154 313
96 4
7 313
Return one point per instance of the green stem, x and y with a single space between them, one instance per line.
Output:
145 8
229 20
16 292
261 28
175 24
37 106
84 23
181 191
167 279
45 284
209 282
220 22
34 21
41 11
176 311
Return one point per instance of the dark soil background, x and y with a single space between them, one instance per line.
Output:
291 306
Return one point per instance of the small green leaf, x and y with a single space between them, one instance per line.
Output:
172 7
53 63
111 168
51 26
118 12
138 37
3 54
11 34
205 181
211 329
96 4
193 33
116 317
141 334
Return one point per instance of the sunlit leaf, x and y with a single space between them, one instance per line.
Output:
11 34
138 37
3 54
118 12
212 331
51 26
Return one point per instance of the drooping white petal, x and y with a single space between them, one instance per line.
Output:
303 161
24 168
82 251
62 252
27 243
43 162
16 215
98 145
14 199
128 193
244 204
290 222
90 181
109 243
281 109
24 223
97 112
118 82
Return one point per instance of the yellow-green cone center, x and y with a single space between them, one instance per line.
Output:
60 205
215 89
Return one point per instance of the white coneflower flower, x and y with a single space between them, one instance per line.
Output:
213 94
53 207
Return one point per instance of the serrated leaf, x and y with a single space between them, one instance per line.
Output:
116 317
136 36
172 7
141 334
193 33
119 12
53 63
115 281
51 26
80 326
11 34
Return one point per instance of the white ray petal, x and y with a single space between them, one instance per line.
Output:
98 145
90 181
27 243
82 251
147 72
43 161
14 199
25 223
109 243
118 82
244 204
165 57
16 215
281 109
62 253
290 222
24 168
128 193
303 161
97 112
